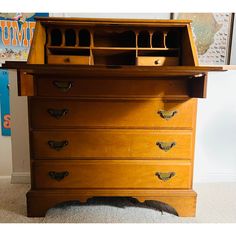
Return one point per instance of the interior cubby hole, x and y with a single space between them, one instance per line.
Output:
158 40
144 39
84 38
115 39
70 37
128 58
56 37
173 39
160 53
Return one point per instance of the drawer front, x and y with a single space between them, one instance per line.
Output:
47 113
60 87
157 61
112 144
112 174
55 59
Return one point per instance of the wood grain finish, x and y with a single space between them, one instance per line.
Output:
56 59
110 116
113 144
101 71
36 53
112 113
125 87
183 201
25 84
112 21
157 61
112 174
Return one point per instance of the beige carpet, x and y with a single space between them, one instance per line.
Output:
216 204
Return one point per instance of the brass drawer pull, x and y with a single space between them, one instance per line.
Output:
57 145
58 176
165 146
57 113
164 176
167 114
64 86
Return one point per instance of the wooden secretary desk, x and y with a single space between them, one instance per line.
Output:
112 111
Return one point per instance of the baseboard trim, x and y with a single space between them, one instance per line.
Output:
20 178
5 177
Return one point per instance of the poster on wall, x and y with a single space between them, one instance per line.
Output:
212 34
16 34
5 106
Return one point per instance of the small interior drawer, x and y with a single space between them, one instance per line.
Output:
61 59
157 61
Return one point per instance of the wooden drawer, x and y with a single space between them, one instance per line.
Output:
58 59
112 174
157 61
112 144
59 87
46 113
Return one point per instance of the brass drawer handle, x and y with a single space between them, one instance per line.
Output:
57 145
167 114
57 113
58 176
164 176
64 86
166 146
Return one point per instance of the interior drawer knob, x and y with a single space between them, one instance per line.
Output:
57 113
58 175
165 176
57 145
67 60
157 62
165 146
64 86
167 114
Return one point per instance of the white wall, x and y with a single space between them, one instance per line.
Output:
19 134
215 155
215 150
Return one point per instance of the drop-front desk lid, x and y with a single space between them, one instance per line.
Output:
197 74
114 71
